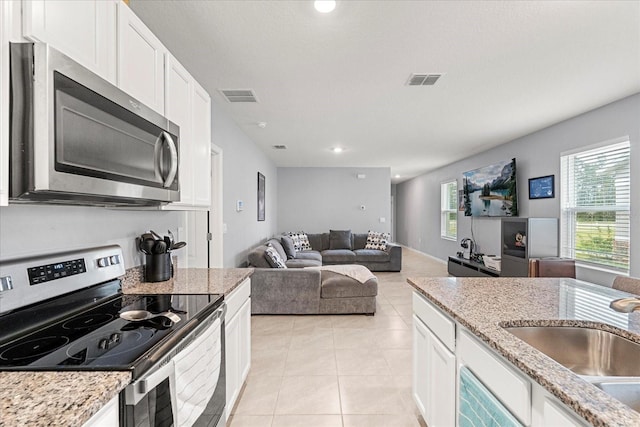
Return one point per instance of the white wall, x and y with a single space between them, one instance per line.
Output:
316 200
39 229
242 161
537 154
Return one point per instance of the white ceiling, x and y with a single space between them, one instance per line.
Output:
510 68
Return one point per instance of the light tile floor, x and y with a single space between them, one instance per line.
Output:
342 371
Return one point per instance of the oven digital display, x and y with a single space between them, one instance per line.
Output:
45 273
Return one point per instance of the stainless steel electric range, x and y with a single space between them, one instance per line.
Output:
66 311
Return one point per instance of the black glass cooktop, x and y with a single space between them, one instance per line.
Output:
98 337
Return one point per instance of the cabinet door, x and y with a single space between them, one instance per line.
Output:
108 416
232 350
441 384
244 356
178 91
5 26
140 60
83 30
420 366
201 148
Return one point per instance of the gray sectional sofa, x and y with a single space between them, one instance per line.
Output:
299 290
321 253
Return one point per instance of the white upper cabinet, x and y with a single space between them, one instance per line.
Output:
178 91
201 149
5 26
188 105
83 30
141 59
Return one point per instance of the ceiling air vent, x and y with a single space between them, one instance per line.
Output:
279 147
423 79
239 95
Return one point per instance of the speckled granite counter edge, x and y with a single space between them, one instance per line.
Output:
593 405
56 398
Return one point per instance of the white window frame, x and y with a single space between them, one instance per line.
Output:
570 207
446 208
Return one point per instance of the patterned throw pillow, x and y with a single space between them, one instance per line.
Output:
300 241
376 240
273 258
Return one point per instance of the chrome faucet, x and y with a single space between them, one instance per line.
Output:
626 305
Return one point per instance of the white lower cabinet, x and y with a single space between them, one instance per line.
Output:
237 342
442 348
435 397
108 416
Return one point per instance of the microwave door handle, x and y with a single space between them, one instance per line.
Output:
174 160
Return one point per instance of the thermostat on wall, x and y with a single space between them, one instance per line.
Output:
239 205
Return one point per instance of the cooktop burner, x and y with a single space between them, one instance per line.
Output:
62 312
98 338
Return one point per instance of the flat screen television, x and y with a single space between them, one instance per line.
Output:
491 190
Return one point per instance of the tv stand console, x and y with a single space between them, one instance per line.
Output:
461 267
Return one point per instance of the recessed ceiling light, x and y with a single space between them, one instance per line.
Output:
397 176
337 149
262 125
324 6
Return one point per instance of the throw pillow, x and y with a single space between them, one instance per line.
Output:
287 245
377 240
339 239
300 241
273 258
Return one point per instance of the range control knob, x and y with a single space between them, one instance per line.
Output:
103 344
103 262
114 259
114 338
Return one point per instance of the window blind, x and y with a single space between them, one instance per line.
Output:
595 206
449 209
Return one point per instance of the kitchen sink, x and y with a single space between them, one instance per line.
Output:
626 392
585 351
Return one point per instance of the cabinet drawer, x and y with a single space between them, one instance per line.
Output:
440 324
506 384
238 297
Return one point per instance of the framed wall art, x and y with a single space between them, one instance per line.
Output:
261 196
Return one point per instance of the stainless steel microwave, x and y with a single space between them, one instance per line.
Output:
77 139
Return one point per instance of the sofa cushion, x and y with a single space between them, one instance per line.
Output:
338 256
340 239
334 285
371 255
315 240
275 244
301 263
377 240
300 240
257 257
313 255
359 240
287 245
273 258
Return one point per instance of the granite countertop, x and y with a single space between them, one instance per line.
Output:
56 398
71 398
188 281
484 305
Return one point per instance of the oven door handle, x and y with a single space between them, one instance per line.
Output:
138 389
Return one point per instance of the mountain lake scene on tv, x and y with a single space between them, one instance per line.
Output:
491 190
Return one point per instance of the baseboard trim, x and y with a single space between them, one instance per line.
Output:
441 261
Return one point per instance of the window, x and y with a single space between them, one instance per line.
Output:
595 206
449 207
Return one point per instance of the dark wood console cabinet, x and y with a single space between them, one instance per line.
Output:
461 267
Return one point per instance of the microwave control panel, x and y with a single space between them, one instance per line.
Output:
45 273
